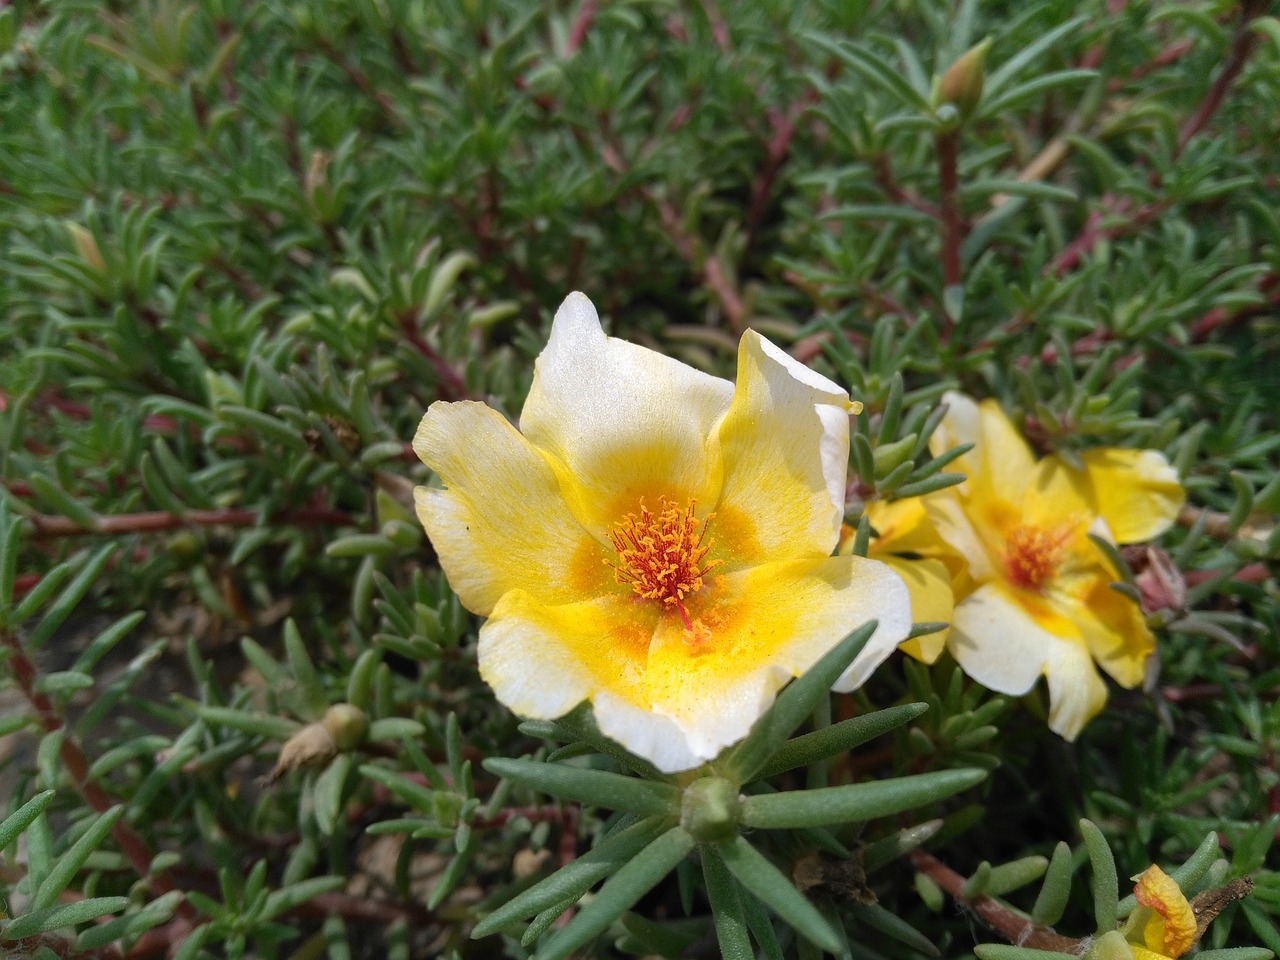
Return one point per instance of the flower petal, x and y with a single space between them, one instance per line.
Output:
1000 465
765 625
1137 490
785 449
500 523
620 421
544 660
1116 632
1005 640
1172 929
929 583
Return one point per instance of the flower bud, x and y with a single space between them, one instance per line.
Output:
709 809
347 725
962 84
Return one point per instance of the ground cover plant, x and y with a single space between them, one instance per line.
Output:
245 247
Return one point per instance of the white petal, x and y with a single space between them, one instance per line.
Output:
621 421
998 643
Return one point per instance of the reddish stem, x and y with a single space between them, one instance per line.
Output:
1017 929
51 526
948 145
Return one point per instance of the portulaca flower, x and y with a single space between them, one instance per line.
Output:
653 539
1032 591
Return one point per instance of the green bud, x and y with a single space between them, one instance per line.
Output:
1110 946
347 724
709 809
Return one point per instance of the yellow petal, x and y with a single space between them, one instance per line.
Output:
929 584
903 526
1006 638
1138 491
1000 464
1172 930
500 523
763 626
543 660
621 422
1116 632
1057 496
785 449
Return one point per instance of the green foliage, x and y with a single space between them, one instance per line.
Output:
245 246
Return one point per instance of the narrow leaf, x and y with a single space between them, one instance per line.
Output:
577 878
726 908
68 864
21 818
640 875
612 791
838 738
856 802
1105 895
66 915
768 883
742 763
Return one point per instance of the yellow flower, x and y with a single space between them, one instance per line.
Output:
653 539
1032 593
1164 925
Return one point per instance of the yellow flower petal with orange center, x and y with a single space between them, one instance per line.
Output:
654 540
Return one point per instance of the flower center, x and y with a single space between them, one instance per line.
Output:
662 554
1033 554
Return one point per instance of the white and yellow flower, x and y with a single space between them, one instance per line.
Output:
654 539
1032 590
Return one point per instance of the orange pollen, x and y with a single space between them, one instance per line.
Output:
1032 555
662 554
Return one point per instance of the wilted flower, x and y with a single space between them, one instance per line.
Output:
1032 590
1164 926
653 539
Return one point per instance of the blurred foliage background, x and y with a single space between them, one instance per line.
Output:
244 246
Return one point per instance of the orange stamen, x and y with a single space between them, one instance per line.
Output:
662 555
1032 555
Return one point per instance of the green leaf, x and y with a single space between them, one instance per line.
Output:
875 69
69 862
296 894
1236 953
65 915
997 78
767 882
726 907
21 818
147 917
304 671
882 852
856 802
1004 951
262 725
612 791
329 793
838 738
1016 874
636 878
891 925
1105 895
1052 899
71 596
742 763
575 879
